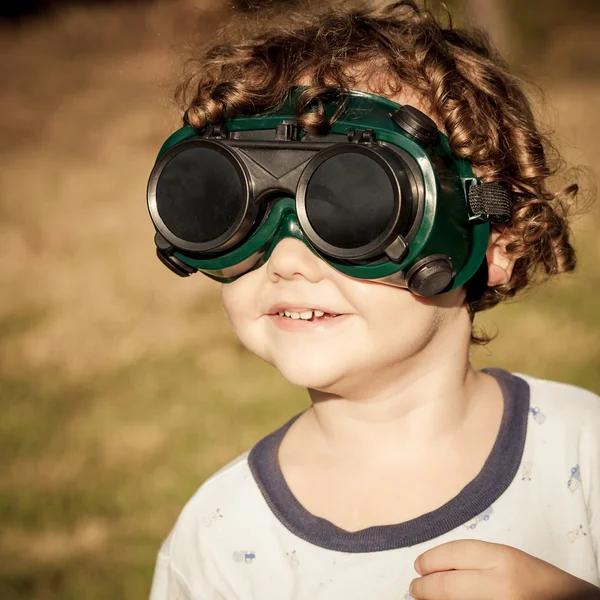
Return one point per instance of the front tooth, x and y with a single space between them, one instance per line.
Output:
293 315
318 313
306 314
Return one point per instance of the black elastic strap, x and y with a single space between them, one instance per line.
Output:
491 200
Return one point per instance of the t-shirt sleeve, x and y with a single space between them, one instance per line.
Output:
167 584
188 566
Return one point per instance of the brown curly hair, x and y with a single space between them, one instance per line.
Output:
482 106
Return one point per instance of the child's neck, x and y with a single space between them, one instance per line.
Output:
419 404
422 413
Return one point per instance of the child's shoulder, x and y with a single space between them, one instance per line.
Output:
564 404
224 503
223 488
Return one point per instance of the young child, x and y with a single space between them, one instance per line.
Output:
411 475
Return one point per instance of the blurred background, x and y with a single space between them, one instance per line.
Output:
121 385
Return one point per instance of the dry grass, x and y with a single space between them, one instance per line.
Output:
122 387
84 119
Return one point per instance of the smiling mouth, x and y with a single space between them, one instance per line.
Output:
308 315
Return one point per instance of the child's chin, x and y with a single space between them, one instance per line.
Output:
317 376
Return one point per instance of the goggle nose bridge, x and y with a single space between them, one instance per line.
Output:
288 226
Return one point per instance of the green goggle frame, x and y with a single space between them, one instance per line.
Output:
437 238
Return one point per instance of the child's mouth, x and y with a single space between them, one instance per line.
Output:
314 320
310 315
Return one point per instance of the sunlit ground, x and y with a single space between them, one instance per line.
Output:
122 387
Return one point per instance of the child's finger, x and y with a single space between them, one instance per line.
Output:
451 585
458 554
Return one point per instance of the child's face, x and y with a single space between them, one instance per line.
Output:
383 330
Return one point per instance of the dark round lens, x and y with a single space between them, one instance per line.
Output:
199 194
349 200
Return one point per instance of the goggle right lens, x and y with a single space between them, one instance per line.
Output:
354 201
350 200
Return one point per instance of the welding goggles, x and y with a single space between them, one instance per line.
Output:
379 197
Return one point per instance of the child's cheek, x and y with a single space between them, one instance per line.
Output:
236 297
244 315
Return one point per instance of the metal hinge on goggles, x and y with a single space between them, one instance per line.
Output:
380 197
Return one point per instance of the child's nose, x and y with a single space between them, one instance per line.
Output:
292 259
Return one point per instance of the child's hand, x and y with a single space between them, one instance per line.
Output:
476 570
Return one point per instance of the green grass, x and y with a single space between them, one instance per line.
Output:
121 454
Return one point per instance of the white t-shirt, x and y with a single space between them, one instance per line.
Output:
244 536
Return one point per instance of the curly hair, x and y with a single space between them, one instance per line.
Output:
468 87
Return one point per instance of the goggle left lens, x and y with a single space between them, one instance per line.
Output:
199 197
